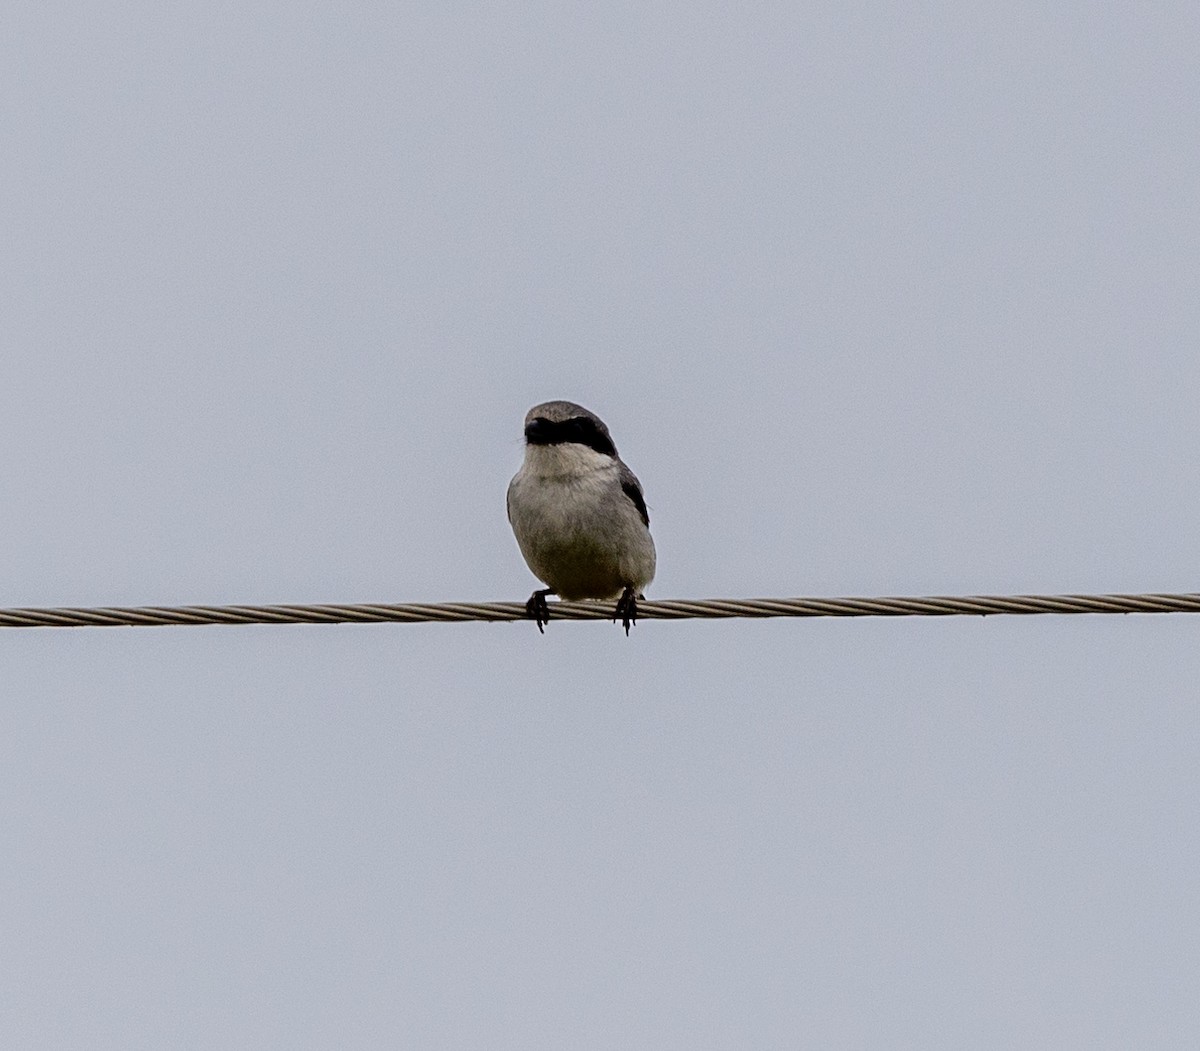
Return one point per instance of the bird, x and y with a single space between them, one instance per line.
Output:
578 514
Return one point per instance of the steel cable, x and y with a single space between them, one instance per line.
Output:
670 609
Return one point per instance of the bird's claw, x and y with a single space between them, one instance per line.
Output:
537 610
626 609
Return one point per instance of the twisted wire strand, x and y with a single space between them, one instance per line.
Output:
671 609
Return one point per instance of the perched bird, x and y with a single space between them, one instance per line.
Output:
578 513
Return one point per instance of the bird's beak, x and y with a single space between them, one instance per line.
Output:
536 431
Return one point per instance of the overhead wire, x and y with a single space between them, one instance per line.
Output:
669 609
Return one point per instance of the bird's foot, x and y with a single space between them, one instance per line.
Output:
627 609
537 610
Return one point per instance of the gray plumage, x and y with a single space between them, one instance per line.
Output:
577 510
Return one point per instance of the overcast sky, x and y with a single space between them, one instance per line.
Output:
887 298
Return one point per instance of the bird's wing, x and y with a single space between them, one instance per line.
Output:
633 489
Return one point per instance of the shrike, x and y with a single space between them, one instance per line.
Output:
578 513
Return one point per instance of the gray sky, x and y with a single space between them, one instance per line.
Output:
894 299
